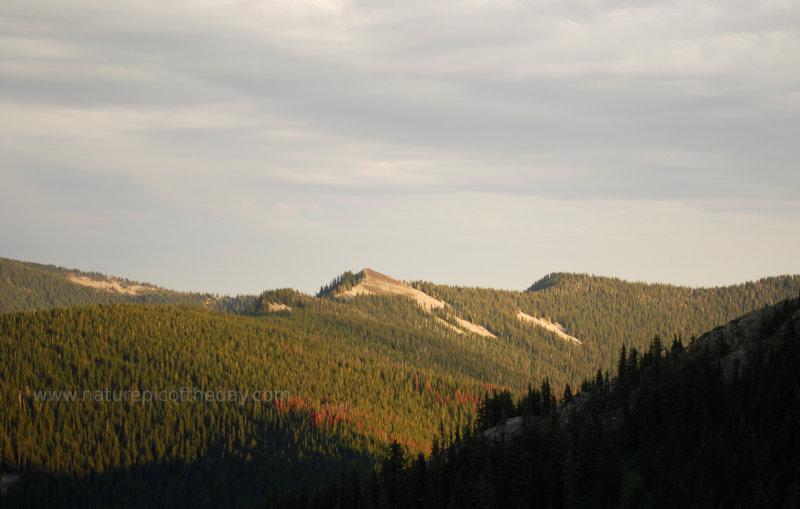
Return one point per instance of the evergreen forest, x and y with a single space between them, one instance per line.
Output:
360 398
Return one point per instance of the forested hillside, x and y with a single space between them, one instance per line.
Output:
28 286
358 375
713 424
604 313
358 372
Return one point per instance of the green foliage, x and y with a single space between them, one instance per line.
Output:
359 376
28 286
284 296
342 283
679 434
363 373
494 410
604 314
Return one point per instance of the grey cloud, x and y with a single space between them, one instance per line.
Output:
478 107
221 111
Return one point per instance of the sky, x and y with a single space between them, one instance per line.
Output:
236 146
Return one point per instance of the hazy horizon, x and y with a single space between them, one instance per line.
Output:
234 147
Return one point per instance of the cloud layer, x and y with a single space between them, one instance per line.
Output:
237 145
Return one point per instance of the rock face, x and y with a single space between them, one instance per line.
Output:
732 342
510 428
7 481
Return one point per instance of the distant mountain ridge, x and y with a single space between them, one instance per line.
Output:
565 322
567 280
27 286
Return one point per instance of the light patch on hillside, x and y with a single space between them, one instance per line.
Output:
277 306
466 325
375 283
472 327
449 325
555 328
111 285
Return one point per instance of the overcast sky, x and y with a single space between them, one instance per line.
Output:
235 146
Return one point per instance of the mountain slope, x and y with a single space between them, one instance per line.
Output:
358 373
555 328
370 282
370 361
28 286
595 315
603 314
676 428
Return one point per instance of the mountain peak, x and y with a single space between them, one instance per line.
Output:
553 279
371 282
368 273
